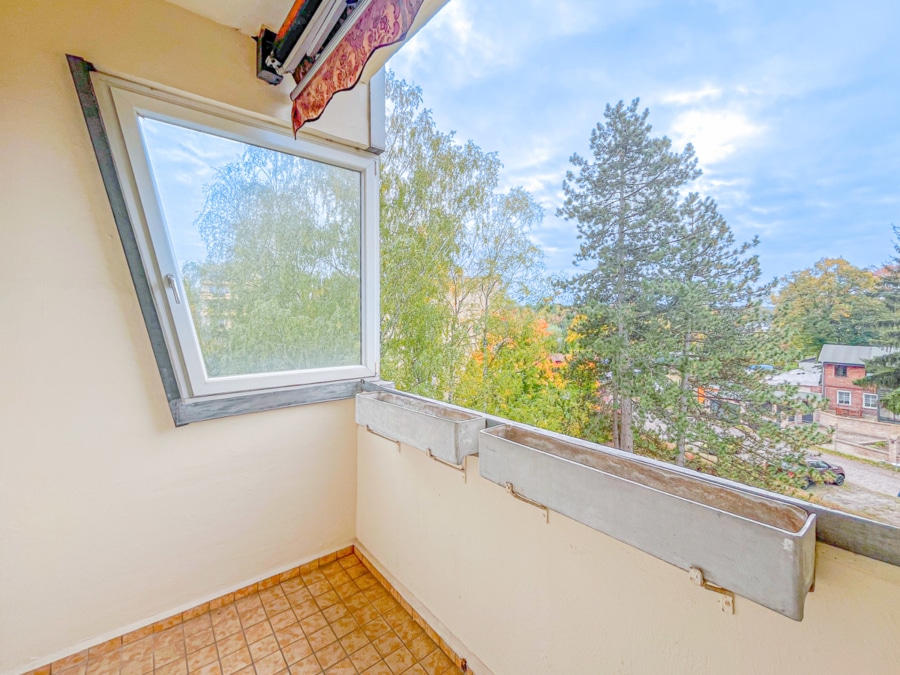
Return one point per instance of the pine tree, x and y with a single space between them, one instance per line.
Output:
624 200
884 371
704 398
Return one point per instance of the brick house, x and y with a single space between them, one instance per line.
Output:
842 365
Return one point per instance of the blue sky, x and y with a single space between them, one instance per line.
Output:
793 107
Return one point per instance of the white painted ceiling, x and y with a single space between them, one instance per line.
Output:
245 15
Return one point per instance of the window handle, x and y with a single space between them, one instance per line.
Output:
173 285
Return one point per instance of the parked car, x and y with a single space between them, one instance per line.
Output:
827 473
815 471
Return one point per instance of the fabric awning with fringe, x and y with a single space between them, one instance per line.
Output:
339 65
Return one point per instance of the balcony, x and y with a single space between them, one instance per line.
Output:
441 570
243 544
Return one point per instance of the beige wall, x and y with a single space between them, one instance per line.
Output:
527 597
109 516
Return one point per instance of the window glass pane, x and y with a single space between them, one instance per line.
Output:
268 246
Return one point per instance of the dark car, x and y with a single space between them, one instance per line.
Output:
815 471
820 470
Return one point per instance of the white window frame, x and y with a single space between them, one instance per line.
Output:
121 102
849 397
873 398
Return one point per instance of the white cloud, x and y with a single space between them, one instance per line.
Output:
715 134
695 96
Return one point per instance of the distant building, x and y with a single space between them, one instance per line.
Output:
842 365
807 377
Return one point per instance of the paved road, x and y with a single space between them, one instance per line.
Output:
869 490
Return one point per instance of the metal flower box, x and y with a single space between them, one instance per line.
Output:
758 548
447 433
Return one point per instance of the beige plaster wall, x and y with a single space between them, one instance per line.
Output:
109 516
533 598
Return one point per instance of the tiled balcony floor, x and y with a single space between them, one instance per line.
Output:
337 619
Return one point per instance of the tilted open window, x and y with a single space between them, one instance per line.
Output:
260 251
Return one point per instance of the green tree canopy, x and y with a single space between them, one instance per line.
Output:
832 302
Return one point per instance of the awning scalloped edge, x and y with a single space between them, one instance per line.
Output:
383 23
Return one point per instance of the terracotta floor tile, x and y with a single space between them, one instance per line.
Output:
105 647
356 601
296 651
169 637
248 602
81 669
299 597
327 599
343 667
400 661
225 628
319 587
252 614
202 657
354 641
305 609
376 628
344 625
68 662
262 648
232 663
365 581
271 593
347 590
386 605
421 647
164 655
330 655
138 634
312 577
178 667
231 644
320 638
211 669
273 663
308 666
408 631
313 623
356 572
387 643
436 663
137 650
289 634
197 625
276 605
335 612
103 664
283 620
258 631
199 640
292 584
397 617
379 668
340 579
335 617
137 666
167 623
365 657
226 613
365 614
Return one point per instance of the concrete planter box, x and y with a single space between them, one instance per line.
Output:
446 433
755 547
